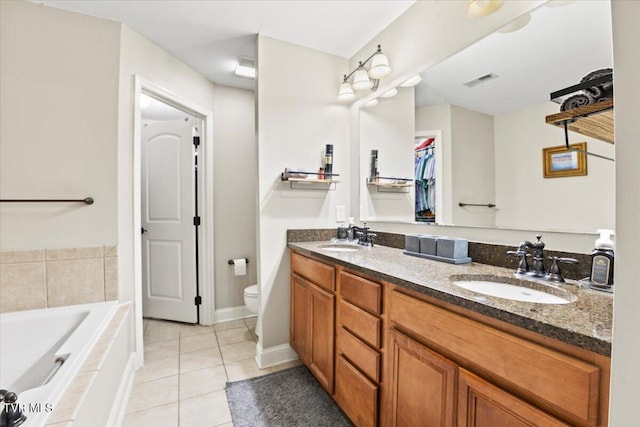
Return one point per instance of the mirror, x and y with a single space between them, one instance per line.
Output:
491 132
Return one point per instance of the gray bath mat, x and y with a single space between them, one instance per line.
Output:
287 398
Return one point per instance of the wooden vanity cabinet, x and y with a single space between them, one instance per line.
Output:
312 324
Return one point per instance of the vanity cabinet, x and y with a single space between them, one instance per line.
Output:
390 356
313 317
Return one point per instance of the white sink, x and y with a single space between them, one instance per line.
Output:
523 291
340 247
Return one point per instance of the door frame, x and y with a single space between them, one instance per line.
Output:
206 241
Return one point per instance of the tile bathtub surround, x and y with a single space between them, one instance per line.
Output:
186 369
42 278
483 253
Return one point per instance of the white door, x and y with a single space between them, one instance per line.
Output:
168 232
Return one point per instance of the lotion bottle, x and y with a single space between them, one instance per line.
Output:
602 260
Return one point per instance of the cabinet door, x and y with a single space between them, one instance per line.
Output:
481 404
322 336
356 395
423 385
299 331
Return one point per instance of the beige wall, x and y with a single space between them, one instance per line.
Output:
389 128
524 196
626 318
297 115
236 165
59 128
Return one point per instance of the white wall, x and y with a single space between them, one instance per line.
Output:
523 196
389 128
626 318
236 165
472 166
59 128
298 114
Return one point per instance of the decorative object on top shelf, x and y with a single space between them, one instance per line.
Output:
363 78
562 162
478 8
596 86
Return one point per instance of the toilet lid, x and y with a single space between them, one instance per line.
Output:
251 290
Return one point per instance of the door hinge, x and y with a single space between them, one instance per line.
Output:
198 300
196 141
196 221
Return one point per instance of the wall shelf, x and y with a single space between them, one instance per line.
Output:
594 120
390 184
310 183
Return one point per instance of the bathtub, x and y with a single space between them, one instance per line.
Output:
41 351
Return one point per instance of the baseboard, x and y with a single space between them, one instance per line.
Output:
119 408
266 357
233 313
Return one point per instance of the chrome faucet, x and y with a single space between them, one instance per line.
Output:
364 237
538 268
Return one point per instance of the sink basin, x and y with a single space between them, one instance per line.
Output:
513 289
340 247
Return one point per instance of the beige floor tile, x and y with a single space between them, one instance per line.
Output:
161 349
238 351
198 342
160 416
161 331
244 369
286 365
200 359
202 381
187 330
230 325
232 336
207 410
251 322
153 393
158 368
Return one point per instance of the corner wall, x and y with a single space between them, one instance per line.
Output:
297 114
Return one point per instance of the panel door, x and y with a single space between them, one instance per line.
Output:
322 336
299 329
423 385
168 239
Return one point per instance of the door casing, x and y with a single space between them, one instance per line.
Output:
205 245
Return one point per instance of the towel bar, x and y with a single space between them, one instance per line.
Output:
86 200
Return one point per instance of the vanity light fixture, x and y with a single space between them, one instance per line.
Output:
516 24
372 103
363 78
479 8
390 93
412 81
246 68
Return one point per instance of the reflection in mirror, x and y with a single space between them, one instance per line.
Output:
490 102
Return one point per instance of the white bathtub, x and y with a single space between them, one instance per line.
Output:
41 351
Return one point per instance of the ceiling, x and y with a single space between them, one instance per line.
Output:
211 35
558 47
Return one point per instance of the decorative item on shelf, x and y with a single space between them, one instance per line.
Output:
374 164
562 162
363 78
328 159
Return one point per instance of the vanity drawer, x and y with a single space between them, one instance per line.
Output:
355 394
550 378
361 292
360 323
360 354
319 273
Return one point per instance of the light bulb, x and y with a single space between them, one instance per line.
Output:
412 81
483 7
390 93
372 103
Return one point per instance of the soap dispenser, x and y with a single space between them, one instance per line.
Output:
602 260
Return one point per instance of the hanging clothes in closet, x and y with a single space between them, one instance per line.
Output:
425 180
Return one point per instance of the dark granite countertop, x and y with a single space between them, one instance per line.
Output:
584 323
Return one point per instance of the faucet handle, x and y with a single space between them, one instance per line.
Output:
523 266
554 271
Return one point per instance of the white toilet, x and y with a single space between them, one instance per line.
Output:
251 298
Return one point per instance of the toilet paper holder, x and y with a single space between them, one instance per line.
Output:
230 262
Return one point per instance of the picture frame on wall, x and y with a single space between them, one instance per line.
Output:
560 162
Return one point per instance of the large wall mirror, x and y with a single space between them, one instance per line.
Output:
488 104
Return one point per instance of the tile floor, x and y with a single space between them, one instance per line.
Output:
186 368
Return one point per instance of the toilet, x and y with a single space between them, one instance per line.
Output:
251 298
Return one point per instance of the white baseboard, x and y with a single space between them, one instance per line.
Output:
266 357
233 313
119 408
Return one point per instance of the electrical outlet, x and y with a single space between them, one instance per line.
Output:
341 215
